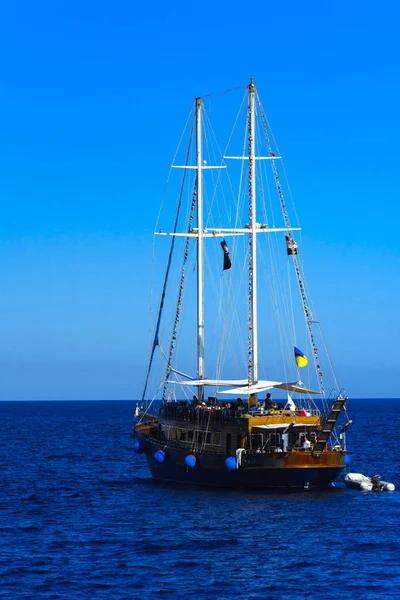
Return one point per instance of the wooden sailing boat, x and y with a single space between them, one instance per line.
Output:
248 441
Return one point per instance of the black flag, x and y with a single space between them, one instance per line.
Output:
227 258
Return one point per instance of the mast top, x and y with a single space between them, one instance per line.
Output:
251 84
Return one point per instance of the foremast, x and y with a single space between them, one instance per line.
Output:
200 248
199 233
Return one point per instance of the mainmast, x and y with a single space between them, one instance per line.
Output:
200 269
253 357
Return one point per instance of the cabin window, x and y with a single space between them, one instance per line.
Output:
312 436
275 439
256 441
216 439
203 437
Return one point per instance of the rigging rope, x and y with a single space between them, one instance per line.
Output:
306 308
160 310
180 293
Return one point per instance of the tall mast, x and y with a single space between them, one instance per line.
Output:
253 242
200 271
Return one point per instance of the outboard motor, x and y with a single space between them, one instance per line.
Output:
377 484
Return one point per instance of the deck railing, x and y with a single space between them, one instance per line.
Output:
205 414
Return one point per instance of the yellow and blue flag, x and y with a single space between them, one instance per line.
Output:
300 357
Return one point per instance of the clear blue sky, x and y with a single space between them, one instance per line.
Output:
93 97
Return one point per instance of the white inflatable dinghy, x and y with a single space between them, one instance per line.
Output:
357 481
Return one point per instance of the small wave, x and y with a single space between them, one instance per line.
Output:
32 498
150 548
29 528
144 481
117 481
184 564
304 563
62 456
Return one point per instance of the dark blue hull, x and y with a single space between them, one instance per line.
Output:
210 473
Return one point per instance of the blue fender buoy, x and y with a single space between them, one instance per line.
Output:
159 456
230 463
190 461
138 447
347 460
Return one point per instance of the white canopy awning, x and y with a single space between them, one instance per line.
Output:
213 382
242 387
261 386
295 387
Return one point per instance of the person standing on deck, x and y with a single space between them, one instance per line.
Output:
268 403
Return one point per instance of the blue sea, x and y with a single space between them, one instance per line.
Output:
81 517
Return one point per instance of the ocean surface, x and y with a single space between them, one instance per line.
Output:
81 517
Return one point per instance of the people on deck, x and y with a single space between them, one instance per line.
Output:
239 405
268 401
252 402
269 405
306 443
249 406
